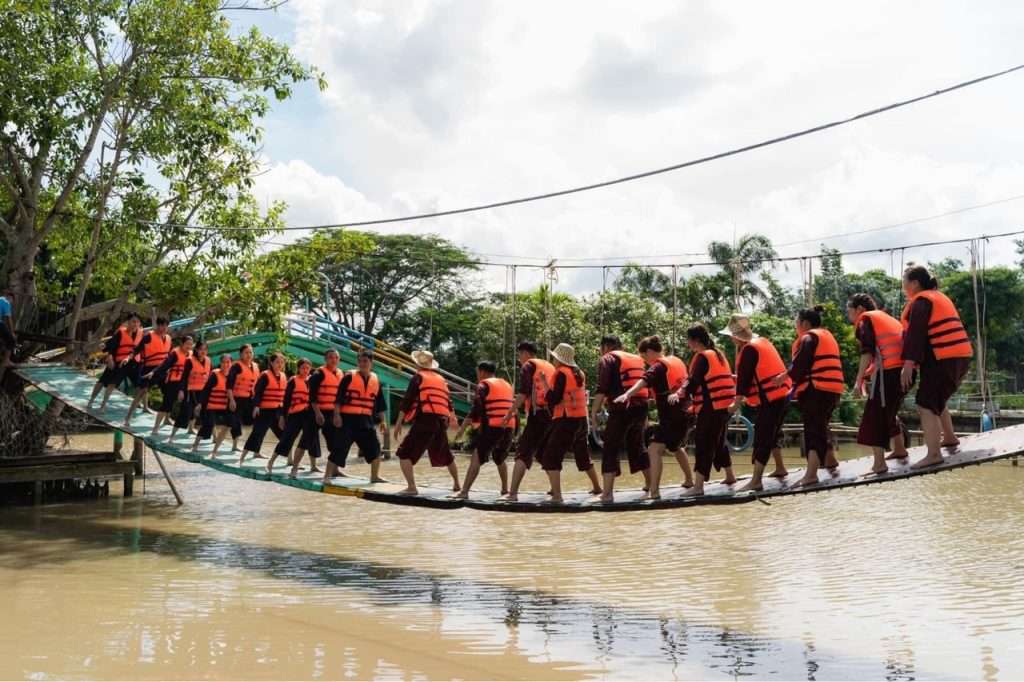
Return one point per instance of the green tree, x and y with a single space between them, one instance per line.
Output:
740 262
1000 299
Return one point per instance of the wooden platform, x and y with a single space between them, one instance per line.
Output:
68 465
73 387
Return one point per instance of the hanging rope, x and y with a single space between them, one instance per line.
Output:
604 303
515 339
675 305
551 275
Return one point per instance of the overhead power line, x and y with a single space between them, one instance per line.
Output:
635 176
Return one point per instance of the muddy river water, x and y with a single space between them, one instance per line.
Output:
914 579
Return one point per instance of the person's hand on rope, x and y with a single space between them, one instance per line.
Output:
860 389
735 406
675 397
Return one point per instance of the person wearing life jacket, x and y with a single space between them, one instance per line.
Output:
568 402
8 336
267 399
428 405
712 389
216 417
359 412
665 375
293 418
152 349
242 380
937 346
118 352
531 397
492 437
168 376
758 363
323 393
193 380
617 372
816 371
880 337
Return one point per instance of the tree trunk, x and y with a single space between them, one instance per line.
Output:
20 270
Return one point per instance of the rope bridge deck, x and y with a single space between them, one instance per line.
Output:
73 387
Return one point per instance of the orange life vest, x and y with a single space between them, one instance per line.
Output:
574 399
156 350
538 396
888 337
300 395
327 393
769 365
126 343
631 370
433 397
200 373
719 381
273 393
676 374
245 380
827 369
946 334
498 401
361 394
178 368
217 401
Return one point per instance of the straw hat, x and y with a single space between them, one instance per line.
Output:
425 359
565 354
739 328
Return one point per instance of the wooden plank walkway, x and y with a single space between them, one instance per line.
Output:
74 386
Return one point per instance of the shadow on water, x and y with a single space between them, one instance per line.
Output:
605 639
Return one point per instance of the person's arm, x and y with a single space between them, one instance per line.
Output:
648 379
110 347
605 368
315 380
408 403
525 388
141 344
204 395
257 393
800 370
186 372
233 373
915 340
380 410
341 398
746 376
289 390
161 371
865 334
700 370
476 412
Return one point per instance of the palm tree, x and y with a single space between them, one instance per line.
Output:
740 262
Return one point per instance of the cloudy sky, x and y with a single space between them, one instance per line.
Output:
436 105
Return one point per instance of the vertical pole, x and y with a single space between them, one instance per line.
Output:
515 339
675 306
387 422
137 455
118 441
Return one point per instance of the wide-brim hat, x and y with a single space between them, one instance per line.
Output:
565 354
739 328
425 359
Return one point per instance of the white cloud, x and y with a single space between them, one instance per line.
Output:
442 104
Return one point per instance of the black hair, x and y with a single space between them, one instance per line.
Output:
811 315
274 356
487 366
612 341
366 355
225 355
528 346
200 344
243 347
332 351
303 361
699 333
650 343
864 301
133 316
182 340
920 274
162 320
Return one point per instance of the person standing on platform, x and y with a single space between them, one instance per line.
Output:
359 410
758 363
880 336
712 389
323 394
152 350
568 402
216 418
665 375
295 418
428 405
492 438
618 371
168 376
935 343
241 384
817 373
532 398
268 398
118 358
193 381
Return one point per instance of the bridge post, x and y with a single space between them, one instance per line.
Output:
138 451
387 422
118 442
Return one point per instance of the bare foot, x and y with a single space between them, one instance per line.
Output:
314 470
898 455
688 483
728 481
951 446
508 497
878 471
927 461
596 491
504 493
460 496
805 482
779 473
648 497
750 487
379 480
692 491
408 491
257 455
605 498
456 488
554 501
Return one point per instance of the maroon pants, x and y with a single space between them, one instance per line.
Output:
566 434
709 442
816 408
625 429
938 381
768 428
531 440
880 423
429 433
